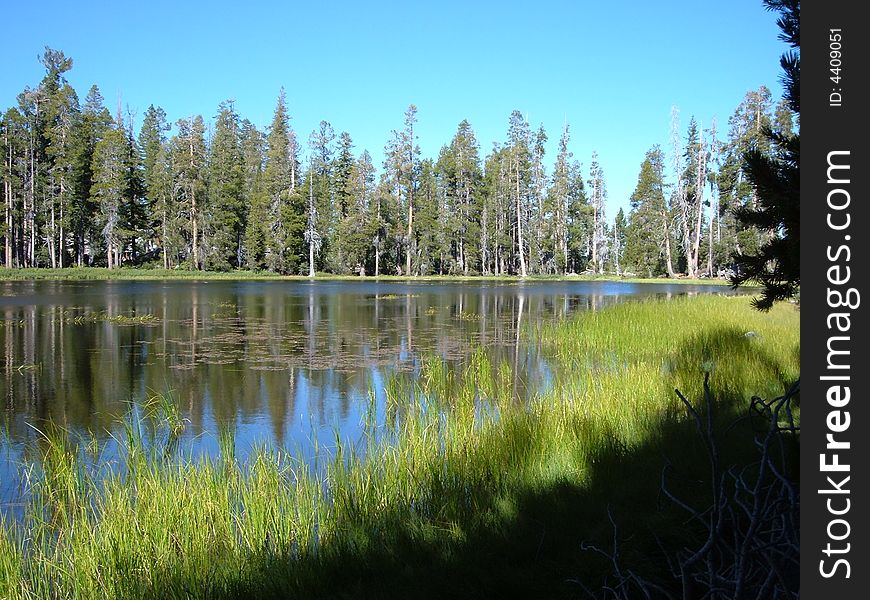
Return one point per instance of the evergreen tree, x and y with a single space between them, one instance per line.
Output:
320 226
598 240
648 235
344 186
359 226
226 215
189 168
109 187
540 259
278 211
253 146
62 116
94 123
152 141
519 158
618 241
559 200
14 140
746 131
776 179
133 211
431 247
460 203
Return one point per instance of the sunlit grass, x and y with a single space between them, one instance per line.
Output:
462 477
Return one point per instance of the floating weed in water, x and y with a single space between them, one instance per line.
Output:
455 464
99 317
467 316
394 296
25 368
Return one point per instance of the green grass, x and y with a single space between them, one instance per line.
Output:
126 273
464 492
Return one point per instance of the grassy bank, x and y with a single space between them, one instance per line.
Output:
99 273
463 492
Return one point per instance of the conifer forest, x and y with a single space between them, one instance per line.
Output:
84 185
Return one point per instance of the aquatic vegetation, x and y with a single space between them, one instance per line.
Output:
459 488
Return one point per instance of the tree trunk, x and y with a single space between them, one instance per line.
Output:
194 217
410 233
7 191
616 248
520 223
594 227
60 241
668 258
311 218
699 202
165 234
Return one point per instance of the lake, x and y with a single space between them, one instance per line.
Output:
280 362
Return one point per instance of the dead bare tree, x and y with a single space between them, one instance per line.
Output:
751 546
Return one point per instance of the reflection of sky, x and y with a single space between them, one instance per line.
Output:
278 362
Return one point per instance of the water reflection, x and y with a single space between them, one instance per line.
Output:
287 362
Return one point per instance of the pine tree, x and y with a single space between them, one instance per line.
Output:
109 187
94 123
459 204
253 146
598 240
189 167
14 140
618 241
320 215
540 260
519 155
746 131
152 141
278 202
226 216
558 202
776 178
133 211
344 186
648 235
358 226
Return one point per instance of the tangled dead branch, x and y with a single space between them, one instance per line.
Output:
751 528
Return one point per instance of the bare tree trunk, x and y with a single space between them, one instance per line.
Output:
484 243
682 200
7 190
520 222
51 239
668 256
165 236
710 248
408 248
616 248
594 226
29 212
60 241
699 202
378 238
311 218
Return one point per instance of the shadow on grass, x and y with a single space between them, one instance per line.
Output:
521 538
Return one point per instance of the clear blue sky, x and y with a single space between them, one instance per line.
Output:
612 69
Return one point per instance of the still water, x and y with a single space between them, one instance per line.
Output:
290 363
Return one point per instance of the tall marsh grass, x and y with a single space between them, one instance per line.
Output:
461 490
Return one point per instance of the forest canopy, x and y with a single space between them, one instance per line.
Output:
82 186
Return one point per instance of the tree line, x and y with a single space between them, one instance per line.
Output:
80 187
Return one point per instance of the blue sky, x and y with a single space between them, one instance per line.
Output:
612 69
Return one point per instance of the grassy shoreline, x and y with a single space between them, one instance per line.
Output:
463 492
132 274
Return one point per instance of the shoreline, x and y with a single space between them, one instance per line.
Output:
132 274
